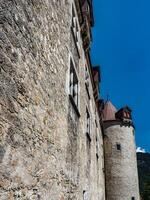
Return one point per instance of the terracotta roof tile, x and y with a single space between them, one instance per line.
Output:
109 111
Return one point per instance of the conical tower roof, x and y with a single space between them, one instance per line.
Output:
109 111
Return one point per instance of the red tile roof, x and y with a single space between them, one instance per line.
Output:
109 111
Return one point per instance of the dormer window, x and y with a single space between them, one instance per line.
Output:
86 8
128 115
124 114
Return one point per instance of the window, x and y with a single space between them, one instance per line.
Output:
87 122
133 198
88 151
73 84
88 143
119 147
87 81
125 114
75 29
133 132
86 73
128 115
85 195
97 147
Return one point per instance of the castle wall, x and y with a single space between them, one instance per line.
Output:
44 149
121 163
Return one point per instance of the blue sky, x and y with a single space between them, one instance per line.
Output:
121 45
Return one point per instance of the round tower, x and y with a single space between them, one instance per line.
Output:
120 154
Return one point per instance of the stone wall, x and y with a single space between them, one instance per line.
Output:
43 148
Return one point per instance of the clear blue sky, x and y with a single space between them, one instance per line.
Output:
121 45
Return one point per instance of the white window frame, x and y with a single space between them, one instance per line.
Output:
75 27
73 85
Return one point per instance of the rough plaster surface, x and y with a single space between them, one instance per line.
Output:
121 166
43 148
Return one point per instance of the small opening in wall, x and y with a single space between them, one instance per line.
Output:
119 147
88 122
97 157
133 132
84 194
133 198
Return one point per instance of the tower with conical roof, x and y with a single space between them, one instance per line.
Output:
120 154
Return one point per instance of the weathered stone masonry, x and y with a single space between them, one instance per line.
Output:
52 121
43 147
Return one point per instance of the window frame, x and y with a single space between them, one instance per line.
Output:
74 87
75 28
87 80
88 123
